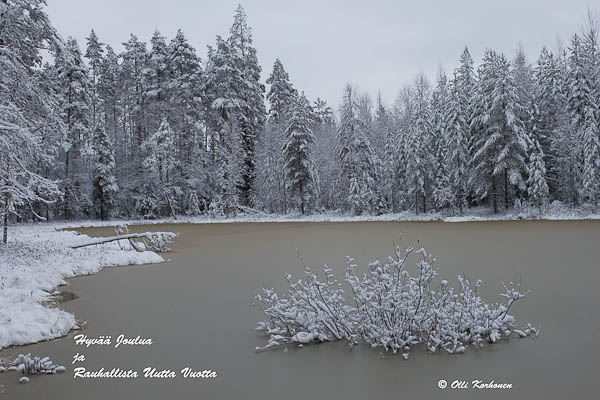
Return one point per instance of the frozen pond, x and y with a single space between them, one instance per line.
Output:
197 309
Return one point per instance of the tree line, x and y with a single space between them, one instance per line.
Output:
156 131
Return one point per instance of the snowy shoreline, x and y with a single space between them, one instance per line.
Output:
36 261
554 213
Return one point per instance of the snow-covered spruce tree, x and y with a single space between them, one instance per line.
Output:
466 81
297 153
591 157
441 191
161 161
29 125
457 152
270 180
537 188
252 111
93 53
159 148
347 130
550 100
578 101
226 175
590 136
184 89
498 139
383 125
221 81
73 88
564 146
326 156
281 96
360 166
134 122
365 183
155 80
419 159
105 182
403 117
522 73
110 112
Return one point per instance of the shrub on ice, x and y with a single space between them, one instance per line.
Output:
389 308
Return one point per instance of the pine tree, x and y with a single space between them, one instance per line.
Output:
73 86
105 182
155 80
134 122
94 53
297 153
111 110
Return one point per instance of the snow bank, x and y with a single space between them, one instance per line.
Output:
36 261
556 211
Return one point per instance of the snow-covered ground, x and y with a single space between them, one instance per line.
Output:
556 211
35 262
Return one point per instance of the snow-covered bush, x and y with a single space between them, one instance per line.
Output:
388 308
159 241
314 311
28 365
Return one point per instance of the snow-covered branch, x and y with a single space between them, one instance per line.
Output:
389 308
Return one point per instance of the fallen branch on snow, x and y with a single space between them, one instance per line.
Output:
153 241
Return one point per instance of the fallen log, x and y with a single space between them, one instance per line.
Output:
155 241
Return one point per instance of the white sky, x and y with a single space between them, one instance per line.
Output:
378 44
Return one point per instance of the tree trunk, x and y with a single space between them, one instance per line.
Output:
5 234
301 199
494 195
416 198
505 189
67 183
102 216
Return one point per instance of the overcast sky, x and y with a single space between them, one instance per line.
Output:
378 44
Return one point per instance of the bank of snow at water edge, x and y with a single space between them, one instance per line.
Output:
35 262
555 212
